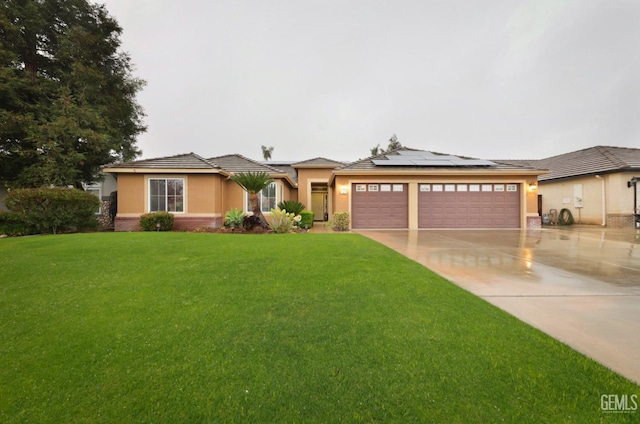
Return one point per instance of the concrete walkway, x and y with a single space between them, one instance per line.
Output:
580 285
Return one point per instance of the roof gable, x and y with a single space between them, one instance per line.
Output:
238 163
318 162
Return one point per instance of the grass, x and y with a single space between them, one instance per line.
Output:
195 328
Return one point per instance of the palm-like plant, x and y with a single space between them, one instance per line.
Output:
253 183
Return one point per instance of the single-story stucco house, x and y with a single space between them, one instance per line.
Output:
404 188
592 183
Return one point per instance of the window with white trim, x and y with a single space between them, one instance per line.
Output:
166 194
268 198
96 191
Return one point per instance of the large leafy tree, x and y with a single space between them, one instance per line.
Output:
67 93
253 183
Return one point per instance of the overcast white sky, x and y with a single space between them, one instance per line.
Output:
494 79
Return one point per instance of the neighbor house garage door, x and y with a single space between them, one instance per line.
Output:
379 206
469 206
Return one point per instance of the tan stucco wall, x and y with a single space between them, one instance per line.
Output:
131 194
342 202
289 193
202 194
618 197
233 196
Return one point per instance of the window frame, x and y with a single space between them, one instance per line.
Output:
277 195
92 188
183 195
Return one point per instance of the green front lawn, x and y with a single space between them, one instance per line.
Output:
190 328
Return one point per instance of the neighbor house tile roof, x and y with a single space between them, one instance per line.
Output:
591 161
184 161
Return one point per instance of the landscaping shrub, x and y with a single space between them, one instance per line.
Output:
291 206
233 218
150 221
307 219
54 209
281 221
12 224
341 221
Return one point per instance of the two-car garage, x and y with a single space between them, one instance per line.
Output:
439 205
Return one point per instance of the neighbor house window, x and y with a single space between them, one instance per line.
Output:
267 198
166 194
95 190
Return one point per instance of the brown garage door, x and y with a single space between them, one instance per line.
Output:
469 206
380 205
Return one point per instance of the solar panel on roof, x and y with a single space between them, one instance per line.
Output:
421 158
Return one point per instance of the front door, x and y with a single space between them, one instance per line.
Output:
319 206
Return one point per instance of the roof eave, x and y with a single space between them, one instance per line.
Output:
135 170
441 171
316 166
591 174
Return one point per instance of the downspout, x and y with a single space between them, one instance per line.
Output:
604 202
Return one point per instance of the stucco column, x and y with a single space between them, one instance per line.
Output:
413 206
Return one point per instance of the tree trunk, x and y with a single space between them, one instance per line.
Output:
257 210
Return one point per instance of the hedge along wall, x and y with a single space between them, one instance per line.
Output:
54 209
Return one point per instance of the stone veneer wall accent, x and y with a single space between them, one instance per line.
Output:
181 223
618 220
103 218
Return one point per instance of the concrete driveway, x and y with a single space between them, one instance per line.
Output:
580 285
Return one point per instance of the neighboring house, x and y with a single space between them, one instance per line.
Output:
405 188
591 183
102 189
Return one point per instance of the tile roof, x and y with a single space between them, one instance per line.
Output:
286 167
319 162
590 161
184 161
369 163
238 163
